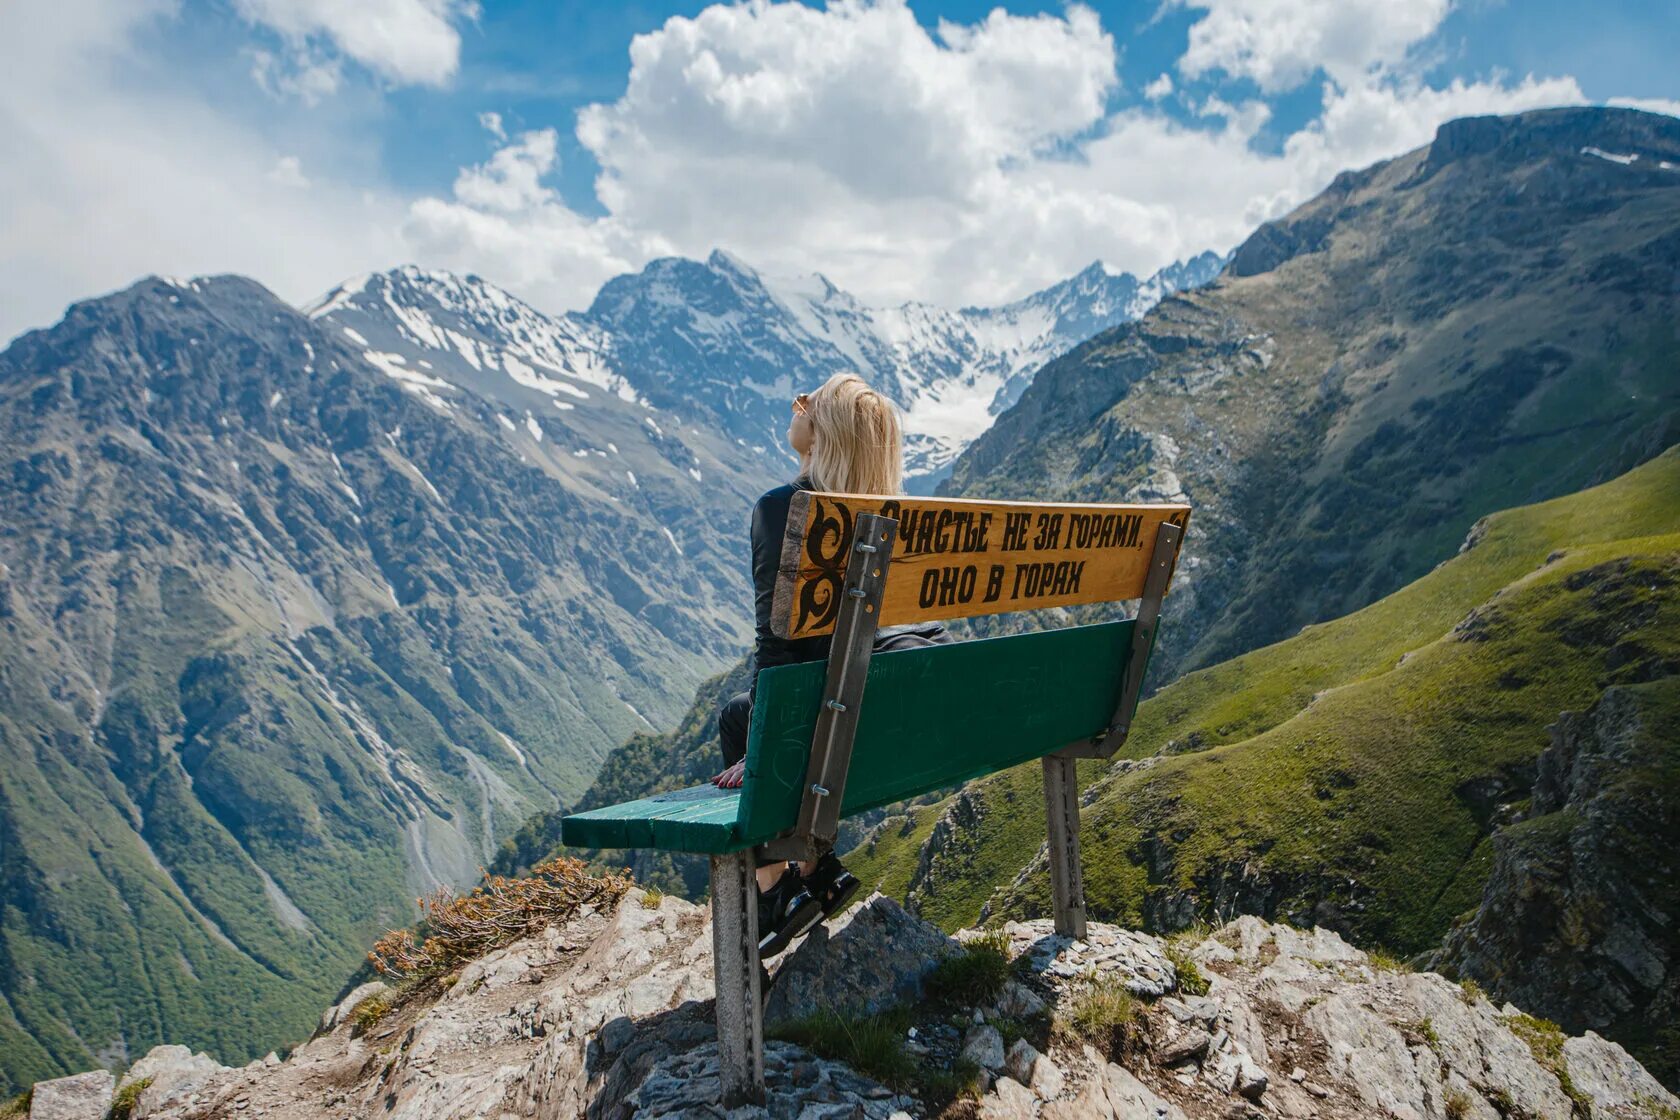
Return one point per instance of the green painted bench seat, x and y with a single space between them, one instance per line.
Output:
931 718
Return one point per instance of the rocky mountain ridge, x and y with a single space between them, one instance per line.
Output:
1583 894
719 342
1484 322
606 1013
285 643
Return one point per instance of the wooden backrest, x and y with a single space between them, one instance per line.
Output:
934 717
957 557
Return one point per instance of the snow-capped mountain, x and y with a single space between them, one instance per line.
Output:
547 385
717 342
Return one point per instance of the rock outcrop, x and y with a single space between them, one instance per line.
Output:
85 1096
901 950
608 1016
1580 920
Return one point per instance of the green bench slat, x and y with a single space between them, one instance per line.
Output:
932 718
704 825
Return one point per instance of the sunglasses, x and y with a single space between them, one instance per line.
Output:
802 404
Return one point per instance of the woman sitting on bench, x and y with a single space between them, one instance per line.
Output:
848 441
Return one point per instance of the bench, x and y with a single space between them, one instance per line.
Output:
831 739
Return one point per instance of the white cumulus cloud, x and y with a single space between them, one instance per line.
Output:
964 165
1281 45
1665 105
107 178
408 41
503 221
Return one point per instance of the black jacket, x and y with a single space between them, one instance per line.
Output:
769 527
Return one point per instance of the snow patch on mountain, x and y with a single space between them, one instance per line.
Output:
719 343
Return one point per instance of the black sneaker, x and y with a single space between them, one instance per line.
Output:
785 912
831 885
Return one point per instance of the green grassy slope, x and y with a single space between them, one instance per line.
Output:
644 765
1350 774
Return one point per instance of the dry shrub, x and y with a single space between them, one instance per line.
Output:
458 928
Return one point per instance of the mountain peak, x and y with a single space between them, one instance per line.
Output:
1562 132
722 337
721 260
1587 157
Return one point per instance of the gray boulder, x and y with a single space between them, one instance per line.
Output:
341 1011
983 1046
873 957
1616 1084
86 1096
170 1072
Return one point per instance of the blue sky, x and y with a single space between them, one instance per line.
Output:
955 152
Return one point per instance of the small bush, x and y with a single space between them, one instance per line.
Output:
974 976
1658 1110
369 1012
1190 979
1103 1013
1458 1105
1545 1041
122 1105
18 1106
652 897
498 911
1387 962
1424 1029
1470 992
874 1046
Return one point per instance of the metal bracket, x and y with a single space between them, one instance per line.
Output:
1167 539
873 537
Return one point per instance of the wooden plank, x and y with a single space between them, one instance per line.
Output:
959 557
1067 875
701 819
740 1023
934 717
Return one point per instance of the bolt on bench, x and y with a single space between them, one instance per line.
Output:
934 717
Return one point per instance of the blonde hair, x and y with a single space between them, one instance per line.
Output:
857 446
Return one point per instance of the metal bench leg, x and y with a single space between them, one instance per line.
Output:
1067 878
740 1022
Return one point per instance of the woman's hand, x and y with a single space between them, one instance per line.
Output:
732 777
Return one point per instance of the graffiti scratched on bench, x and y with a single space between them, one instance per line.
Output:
957 557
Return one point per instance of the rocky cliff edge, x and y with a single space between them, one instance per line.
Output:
608 1015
